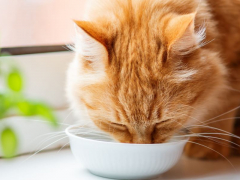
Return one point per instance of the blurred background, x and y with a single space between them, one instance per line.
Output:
38 22
33 63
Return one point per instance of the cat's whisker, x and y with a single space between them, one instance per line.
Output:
90 131
230 88
212 137
68 116
215 152
226 134
63 147
224 113
87 133
68 47
47 134
96 137
217 129
192 117
44 148
204 43
200 135
204 133
207 122
48 139
43 121
212 140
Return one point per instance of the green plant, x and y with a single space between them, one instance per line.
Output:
14 102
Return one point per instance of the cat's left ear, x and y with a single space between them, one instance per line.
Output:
181 36
91 44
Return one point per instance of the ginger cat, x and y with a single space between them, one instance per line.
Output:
144 69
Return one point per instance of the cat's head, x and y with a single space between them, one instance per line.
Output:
141 84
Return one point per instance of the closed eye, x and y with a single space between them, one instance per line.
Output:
118 126
162 123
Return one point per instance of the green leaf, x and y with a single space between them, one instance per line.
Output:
45 112
9 143
4 105
3 109
26 108
8 102
14 81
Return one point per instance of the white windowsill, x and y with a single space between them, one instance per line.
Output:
62 166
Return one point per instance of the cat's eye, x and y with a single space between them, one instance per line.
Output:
118 126
161 123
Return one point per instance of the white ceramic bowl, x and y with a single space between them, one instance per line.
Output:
124 161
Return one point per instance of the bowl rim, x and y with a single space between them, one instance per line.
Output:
184 140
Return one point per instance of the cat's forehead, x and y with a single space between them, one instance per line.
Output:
138 43
139 51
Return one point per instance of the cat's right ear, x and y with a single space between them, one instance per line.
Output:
181 36
91 44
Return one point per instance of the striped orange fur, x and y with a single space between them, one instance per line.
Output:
144 69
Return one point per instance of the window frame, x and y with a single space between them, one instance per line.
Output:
34 49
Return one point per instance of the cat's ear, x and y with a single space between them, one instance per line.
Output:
91 44
181 36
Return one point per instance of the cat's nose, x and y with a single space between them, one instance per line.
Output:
142 141
142 134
